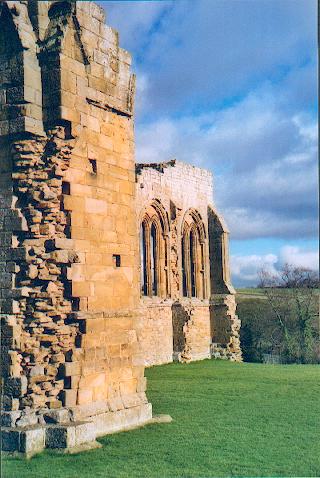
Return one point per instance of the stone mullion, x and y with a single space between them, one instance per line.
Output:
163 265
159 262
166 261
203 269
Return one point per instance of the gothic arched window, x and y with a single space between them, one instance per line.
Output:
193 256
143 254
154 251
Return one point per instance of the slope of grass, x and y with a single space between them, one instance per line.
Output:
229 420
249 292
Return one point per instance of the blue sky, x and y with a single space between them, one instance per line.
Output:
231 85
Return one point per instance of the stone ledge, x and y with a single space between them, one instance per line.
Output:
74 437
123 420
24 441
70 435
28 441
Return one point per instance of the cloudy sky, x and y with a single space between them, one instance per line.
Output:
231 85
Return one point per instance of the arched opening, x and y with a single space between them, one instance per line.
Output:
184 270
143 255
154 252
193 257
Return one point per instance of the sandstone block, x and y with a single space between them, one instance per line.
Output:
68 398
84 396
58 436
27 419
9 419
69 369
10 439
56 416
32 441
85 433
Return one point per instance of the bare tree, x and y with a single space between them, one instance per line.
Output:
292 295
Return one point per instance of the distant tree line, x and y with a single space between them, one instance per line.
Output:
282 325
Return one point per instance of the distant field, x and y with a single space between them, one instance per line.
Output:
256 293
229 419
250 293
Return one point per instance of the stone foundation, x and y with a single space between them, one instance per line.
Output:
70 436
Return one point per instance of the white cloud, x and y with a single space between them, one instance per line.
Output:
231 86
264 160
299 258
202 52
245 268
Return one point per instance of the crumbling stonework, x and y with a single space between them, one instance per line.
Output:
69 275
201 323
86 300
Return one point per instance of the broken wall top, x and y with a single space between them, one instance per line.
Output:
186 185
58 59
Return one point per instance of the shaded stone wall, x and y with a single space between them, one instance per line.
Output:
69 272
200 327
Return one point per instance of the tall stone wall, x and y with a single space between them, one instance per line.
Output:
200 327
68 260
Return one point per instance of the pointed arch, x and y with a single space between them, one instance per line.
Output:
154 250
193 255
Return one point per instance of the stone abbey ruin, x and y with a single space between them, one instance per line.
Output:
106 266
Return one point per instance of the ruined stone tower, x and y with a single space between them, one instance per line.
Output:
85 303
69 281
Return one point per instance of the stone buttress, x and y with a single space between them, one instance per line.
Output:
71 362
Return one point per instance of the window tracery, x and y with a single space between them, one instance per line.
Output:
154 236
193 241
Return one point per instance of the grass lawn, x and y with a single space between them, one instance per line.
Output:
229 420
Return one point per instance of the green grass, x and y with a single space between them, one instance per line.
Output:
249 290
229 420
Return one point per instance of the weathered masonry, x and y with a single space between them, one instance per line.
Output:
105 266
187 305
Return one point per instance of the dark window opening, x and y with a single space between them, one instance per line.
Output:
93 164
116 260
66 189
75 304
184 275
143 253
